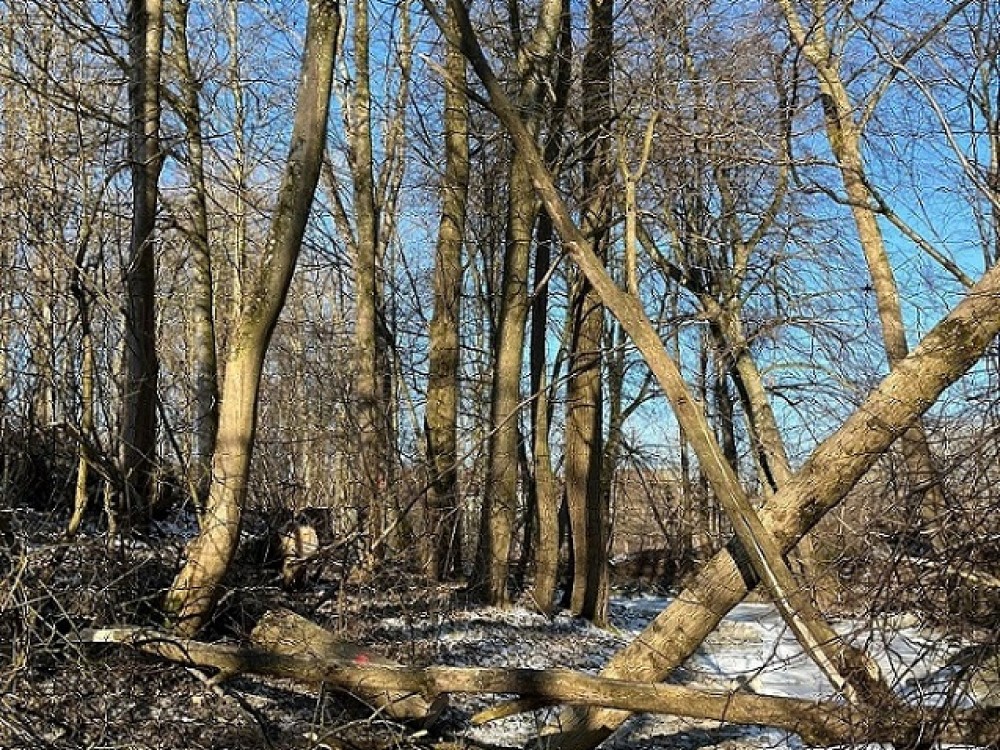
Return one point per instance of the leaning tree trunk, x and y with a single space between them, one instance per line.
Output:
944 355
444 546
138 415
193 592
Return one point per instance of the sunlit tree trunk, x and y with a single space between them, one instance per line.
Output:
238 243
398 533
203 352
371 467
547 501
445 558
139 386
194 590
500 494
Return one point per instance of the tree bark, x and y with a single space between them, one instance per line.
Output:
204 366
445 548
139 387
193 592
588 511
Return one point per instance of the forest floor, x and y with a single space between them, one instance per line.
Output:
56 693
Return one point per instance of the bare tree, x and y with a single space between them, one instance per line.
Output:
496 532
139 389
193 592
845 121
848 670
584 423
445 559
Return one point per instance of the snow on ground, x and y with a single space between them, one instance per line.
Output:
751 650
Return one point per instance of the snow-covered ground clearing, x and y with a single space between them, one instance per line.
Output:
752 650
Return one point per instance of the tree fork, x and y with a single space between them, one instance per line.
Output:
193 592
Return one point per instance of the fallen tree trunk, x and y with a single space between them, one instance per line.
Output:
818 723
286 633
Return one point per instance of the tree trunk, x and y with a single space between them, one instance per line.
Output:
238 246
288 634
293 648
584 431
445 558
500 497
725 413
584 451
204 367
371 468
139 387
547 502
398 534
548 497
195 588
87 377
